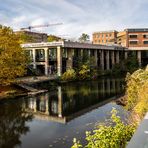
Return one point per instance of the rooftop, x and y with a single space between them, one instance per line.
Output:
137 29
69 44
108 31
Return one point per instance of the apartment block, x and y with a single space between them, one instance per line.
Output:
105 37
137 37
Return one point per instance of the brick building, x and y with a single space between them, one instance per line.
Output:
137 37
105 37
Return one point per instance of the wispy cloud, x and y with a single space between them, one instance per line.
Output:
77 15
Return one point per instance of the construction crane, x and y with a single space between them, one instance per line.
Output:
40 26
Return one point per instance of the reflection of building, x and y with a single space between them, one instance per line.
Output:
105 37
63 107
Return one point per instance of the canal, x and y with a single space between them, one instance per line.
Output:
53 119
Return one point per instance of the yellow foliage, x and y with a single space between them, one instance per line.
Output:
70 74
137 92
12 58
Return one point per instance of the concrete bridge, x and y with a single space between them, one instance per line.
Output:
57 57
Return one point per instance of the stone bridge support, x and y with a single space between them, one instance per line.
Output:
69 63
59 61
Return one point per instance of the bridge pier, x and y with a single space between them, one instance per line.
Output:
113 58
117 57
102 60
34 58
59 61
69 62
107 61
46 61
139 57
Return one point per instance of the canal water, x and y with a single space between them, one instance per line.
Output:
53 119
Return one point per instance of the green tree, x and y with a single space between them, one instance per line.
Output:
13 61
52 38
84 37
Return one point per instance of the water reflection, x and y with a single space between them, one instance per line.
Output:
13 118
72 100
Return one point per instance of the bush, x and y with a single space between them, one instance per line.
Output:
114 135
137 92
69 75
84 72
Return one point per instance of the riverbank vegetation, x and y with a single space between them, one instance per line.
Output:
137 92
116 133
113 134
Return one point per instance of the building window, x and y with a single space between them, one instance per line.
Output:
40 55
98 35
145 42
133 36
102 35
106 41
110 35
98 41
145 36
102 41
106 35
133 42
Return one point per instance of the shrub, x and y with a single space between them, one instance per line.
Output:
114 135
69 75
137 92
84 72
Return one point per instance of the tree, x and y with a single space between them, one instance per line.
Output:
52 38
13 61
84 37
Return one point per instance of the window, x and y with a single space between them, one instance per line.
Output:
145 42
133 42
40 55
106 41
102 41
102 35
98 41
133 36
145 36
106 35
98 35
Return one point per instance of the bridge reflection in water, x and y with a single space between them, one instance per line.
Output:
73 99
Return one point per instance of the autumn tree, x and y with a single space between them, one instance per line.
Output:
12 58
84 37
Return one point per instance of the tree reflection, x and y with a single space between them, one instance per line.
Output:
13 118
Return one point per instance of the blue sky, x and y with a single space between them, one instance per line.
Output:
77 16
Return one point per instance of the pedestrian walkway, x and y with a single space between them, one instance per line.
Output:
140 138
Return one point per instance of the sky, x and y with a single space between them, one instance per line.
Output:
77 16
